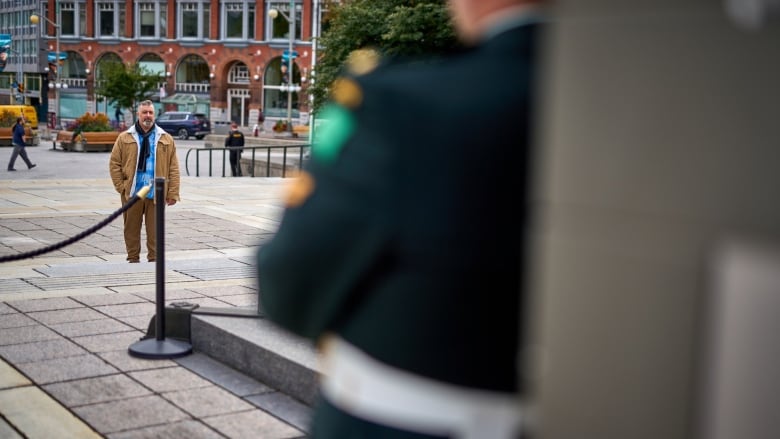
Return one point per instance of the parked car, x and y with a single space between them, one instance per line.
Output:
185 124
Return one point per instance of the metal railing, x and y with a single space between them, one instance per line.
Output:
292 157
190 87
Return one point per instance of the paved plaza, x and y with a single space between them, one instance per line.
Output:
67 317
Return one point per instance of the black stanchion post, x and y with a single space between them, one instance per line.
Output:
160 347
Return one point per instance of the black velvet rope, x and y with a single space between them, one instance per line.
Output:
71 240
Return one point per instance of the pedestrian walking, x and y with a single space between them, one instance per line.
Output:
404 268
20 149
235 144
141 154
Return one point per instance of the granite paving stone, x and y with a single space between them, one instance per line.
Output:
69 368
209 302
26 334
10 377
169 379
115 341
207 401
143 411
241 300
96 390
110 299
126 363
282 406
226 377
230 290
21 285
140 323
66 315
128 309
37 415
184 429
101 326
45 304
15 320
8 432
254 424
41 350
171 295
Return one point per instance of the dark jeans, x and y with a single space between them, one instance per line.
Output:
19 150
235 163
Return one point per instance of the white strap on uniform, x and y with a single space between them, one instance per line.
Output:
368 389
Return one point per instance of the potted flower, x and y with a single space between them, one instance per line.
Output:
280 126
84 130
7 121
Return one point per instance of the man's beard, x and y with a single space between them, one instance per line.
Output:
147 123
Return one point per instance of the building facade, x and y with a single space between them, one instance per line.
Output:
227 59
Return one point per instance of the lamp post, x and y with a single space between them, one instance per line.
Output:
273 13
35 19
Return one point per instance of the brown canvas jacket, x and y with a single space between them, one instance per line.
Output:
124 162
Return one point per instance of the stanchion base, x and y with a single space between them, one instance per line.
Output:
154 349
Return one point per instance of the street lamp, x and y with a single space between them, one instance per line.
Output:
289 88
35 19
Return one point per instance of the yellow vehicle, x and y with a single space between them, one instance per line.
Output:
27 111
30 119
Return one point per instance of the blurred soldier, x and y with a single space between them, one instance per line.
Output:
400 251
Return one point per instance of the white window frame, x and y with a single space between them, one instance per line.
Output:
201 8
118 8
160 13
247 9
283 6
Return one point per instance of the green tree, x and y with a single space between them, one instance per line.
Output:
125 85
395 28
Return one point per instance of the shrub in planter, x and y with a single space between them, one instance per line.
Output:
7 118
280 126
98 122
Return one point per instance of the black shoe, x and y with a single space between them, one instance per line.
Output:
32 166
10 170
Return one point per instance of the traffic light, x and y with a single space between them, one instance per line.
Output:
20 87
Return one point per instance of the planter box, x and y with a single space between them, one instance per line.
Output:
90 141
6 136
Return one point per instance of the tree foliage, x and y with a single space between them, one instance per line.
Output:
125 85
395 28
7 118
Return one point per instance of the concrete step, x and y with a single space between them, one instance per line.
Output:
259 349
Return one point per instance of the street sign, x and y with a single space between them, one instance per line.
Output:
286 55
5 46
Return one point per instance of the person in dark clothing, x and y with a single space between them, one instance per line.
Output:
19 145
235 143
260 121
404 268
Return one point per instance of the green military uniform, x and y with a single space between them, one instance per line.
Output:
405 235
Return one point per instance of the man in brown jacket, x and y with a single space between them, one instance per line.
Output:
141 154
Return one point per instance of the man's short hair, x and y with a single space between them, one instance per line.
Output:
146 103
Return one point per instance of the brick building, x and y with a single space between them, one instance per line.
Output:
223 58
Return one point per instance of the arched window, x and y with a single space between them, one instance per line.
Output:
275 97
